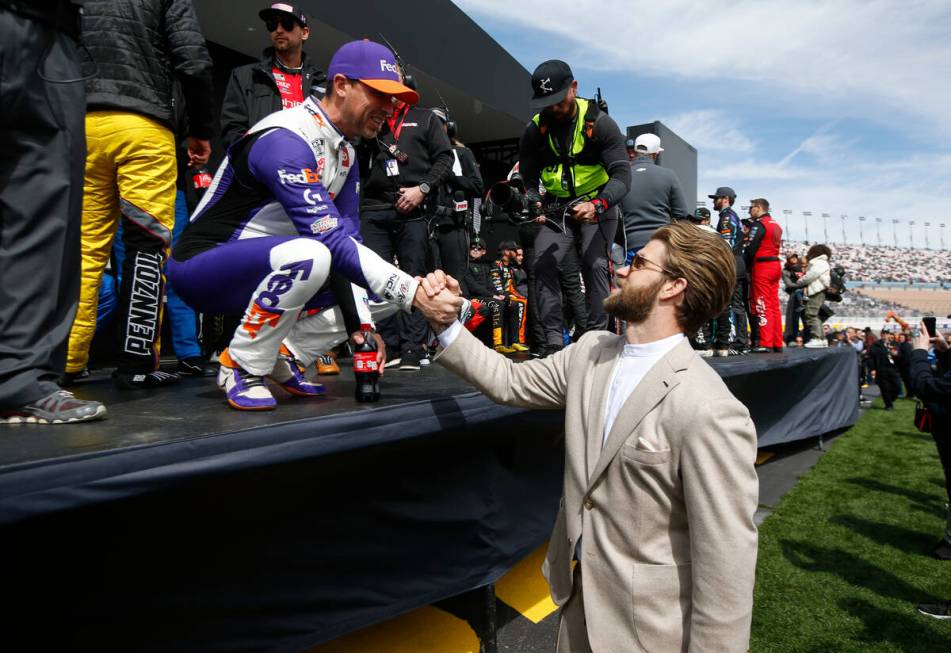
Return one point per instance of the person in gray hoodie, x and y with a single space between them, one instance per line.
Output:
656 197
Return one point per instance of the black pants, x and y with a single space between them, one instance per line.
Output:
942 439
390 235
527 234
889 383
744 317
592 241
42 158
793 306
451 248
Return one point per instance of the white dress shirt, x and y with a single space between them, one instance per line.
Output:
633 365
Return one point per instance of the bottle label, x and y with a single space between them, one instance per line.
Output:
365 361
201 179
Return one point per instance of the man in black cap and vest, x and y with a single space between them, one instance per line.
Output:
577 153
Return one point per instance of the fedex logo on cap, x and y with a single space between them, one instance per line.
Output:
386 66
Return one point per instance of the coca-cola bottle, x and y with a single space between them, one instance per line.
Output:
366 369
201 180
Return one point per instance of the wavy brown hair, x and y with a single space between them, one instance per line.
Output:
705 261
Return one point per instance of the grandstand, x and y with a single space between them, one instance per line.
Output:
871 264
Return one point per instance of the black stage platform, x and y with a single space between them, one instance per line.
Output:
179 524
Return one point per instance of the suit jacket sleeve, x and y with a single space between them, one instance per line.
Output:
721 492
539 383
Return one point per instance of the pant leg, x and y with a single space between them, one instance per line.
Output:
550 249
574 296
527 234
811 313
942 439
270 280
181 317
412 244
453 244
572 625
888 385
42 154
596 240
312 335
774 320
740 305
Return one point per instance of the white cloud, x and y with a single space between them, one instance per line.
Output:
710 129
879 59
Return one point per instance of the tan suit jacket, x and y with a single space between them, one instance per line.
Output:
668 554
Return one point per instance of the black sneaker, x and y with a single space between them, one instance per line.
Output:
942 550
61 407
69 378
409 360
940 610
144 380
194 366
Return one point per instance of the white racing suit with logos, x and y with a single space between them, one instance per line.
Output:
281 213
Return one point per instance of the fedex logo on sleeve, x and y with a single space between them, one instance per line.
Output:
306 176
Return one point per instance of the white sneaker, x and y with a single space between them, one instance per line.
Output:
815 343
705 353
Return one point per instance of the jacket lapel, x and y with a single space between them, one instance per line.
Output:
600 384
652 389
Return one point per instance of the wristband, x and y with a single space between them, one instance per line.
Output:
600 206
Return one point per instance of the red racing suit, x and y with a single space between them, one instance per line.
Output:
762 259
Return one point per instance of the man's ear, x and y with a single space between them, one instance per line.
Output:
673 288
305 33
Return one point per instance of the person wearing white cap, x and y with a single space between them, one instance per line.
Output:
656 197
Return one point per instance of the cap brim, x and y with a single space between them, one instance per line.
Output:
548 100
396 89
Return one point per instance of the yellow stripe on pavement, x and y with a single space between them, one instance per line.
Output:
427 630
763 456
525 589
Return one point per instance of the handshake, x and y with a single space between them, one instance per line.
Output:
438 298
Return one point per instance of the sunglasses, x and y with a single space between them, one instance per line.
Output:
287 22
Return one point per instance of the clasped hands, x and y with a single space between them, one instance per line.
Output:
438 299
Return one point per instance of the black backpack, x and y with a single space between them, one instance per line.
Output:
836 285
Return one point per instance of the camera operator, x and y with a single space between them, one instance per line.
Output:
456 201
577 153
400 171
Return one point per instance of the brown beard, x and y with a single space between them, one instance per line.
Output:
633 304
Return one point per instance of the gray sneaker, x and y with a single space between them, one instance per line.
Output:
61 407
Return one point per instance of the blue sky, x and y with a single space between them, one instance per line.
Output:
839 107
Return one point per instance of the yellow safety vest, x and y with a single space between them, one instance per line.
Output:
586 177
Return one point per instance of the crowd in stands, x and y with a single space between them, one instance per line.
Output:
875 264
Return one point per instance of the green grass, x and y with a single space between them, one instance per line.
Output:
845 558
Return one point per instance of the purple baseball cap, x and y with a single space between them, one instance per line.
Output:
374 65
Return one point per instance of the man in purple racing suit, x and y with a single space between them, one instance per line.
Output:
281 213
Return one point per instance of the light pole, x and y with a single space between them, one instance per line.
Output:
927 244
911 233
825 227
894 232
786 214
878 230
941 233
805 221
861 235
844 216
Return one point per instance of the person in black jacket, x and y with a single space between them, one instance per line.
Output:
42 153
884 369
131 165
400 172
283 78
933 387
477 284
456 202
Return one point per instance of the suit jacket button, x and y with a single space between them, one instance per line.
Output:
588 504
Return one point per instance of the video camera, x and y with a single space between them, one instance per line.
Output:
509 197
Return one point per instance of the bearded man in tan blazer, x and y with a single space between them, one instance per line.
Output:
654 546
